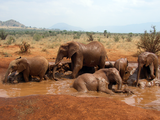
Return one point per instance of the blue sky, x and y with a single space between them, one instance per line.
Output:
80 13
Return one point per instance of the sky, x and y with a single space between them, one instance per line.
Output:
80 13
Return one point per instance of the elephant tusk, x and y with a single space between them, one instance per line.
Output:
16 73
9 74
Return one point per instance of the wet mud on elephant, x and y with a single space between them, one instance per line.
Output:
150 60
35 66
102 80
90 55
121 65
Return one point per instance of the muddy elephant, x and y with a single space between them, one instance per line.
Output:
102 80
121 65
90 55
148 59
35 66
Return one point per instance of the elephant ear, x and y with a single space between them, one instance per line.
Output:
73 47
22 65
149 60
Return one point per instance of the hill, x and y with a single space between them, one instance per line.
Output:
11 23
64 26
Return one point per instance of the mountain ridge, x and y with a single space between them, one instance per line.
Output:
11 23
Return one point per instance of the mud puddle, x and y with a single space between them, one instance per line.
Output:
148 98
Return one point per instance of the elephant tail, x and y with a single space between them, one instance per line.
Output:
109 61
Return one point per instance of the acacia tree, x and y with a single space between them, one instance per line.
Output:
150 42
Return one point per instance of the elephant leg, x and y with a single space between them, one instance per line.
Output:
122 73
151 66
45 77
26 76
76 70
110 86
102 62
77 65
156 72
80 86
103 87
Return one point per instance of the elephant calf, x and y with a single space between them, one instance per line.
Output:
148 59
35 66
121 65
101 80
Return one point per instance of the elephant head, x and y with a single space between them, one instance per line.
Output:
65 50
147 59
18 65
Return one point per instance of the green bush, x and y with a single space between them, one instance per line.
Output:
3 34
150 42
116 38
11 40
129 38
37 37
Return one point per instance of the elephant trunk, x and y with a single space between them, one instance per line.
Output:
58 60
138 73
9 70
119 87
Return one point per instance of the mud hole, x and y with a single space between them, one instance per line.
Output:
51 99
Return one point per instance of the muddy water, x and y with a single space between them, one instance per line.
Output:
148 98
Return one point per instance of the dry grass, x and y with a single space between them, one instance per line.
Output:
52 43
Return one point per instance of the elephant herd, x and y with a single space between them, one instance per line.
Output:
90 55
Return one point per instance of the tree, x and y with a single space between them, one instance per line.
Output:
150 42
3 34
105 32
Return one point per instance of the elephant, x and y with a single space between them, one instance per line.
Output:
121 65
147 59
90 55
102 80
35 66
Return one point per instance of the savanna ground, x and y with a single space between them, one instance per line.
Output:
65 106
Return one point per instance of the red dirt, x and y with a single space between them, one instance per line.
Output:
69 107
58 107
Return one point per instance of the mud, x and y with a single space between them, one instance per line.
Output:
147 98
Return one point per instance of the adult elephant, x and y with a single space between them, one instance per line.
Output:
102 80
90 55
121 65
35 66
146 59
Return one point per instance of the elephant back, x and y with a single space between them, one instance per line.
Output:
38 65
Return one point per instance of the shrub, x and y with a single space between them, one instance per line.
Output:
122 37
150 42
90 36
105 32
11 40
37 37
24 47
116 38
129 38
3 34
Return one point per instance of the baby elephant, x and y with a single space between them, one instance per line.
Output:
121 65
102 80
